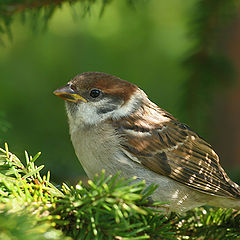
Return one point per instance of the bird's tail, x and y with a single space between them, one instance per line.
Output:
225 203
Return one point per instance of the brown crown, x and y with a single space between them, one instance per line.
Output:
107 83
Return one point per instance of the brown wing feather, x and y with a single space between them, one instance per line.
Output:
172 149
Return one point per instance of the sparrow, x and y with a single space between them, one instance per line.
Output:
114 126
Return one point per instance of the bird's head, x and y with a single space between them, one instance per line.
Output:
93 97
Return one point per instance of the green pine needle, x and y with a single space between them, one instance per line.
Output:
110 207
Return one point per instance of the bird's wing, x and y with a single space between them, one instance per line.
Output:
173 150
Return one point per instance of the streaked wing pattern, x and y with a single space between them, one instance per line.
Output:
172 149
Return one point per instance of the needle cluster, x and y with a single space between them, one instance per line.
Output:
109 207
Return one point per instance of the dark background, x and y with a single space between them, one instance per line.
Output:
148 45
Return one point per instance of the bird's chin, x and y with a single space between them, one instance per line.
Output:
71 108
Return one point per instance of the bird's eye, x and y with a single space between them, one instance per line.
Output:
95 93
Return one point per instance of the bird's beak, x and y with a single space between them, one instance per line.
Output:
68 94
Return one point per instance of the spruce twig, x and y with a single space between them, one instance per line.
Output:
110 207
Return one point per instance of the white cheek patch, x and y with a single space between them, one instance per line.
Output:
89 114
132 105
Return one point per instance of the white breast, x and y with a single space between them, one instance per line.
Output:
95 148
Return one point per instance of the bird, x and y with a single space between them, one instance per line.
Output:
114 126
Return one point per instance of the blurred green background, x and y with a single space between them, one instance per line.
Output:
145 44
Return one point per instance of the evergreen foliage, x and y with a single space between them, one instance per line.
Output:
110 207
210 223
23 226
31 207
39 11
